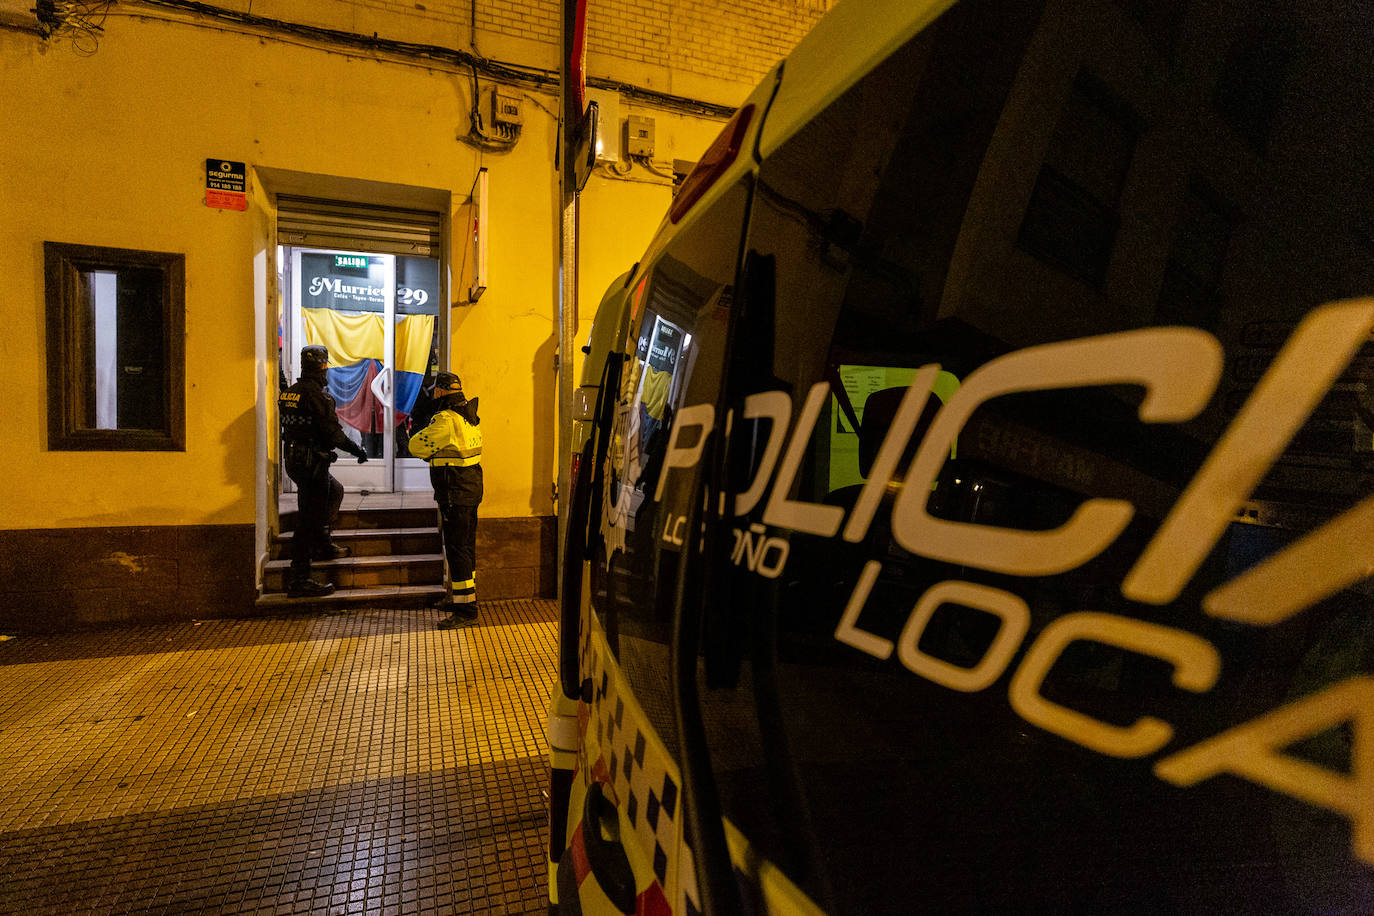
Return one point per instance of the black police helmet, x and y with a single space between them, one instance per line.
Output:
314 358
446 384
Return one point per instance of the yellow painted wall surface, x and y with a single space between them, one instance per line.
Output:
109 150
620 216
714 50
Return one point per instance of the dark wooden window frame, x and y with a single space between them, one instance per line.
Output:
70 388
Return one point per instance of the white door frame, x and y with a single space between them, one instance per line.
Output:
272 307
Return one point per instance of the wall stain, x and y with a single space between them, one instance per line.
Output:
130 562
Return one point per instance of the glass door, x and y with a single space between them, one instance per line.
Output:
377 314
415 324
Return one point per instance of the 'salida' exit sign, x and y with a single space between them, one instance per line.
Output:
350 260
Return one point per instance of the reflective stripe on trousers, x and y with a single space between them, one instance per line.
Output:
464 591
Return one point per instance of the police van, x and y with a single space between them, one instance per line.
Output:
973 504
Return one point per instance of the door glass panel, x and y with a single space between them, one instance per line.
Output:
416 348
344 302
378 315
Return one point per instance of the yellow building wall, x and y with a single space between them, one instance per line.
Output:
109 150
713 50
623 216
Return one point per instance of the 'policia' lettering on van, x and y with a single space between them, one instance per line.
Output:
1178 368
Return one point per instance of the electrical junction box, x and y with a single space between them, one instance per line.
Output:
639 136
607 124
505 107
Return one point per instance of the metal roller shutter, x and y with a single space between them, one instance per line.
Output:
307 222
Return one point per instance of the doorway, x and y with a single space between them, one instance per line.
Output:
351 282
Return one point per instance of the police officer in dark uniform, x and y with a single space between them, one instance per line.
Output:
310 432
452 444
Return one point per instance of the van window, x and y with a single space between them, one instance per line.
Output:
941 718
672 356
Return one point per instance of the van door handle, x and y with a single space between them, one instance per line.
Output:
606 858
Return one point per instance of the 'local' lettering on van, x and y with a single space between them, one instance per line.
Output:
1179 369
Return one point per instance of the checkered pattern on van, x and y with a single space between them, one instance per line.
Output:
643 779
688 899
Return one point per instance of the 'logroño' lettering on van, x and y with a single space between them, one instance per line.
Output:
1179 369
766 556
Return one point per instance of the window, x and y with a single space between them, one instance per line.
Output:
116 363
1072 218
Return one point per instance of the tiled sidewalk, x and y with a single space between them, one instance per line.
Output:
332 764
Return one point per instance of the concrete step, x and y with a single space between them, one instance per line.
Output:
375 518
374 542
364 572
392 596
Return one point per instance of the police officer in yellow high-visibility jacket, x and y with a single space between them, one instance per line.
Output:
452 444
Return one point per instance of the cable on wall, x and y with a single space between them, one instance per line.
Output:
80 23
518 74
624 170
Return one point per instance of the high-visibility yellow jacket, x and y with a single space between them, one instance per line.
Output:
453 447
448 441
655 392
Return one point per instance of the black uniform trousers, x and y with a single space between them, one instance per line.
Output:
457 492
318 496
459 525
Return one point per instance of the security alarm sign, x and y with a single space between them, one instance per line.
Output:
226 185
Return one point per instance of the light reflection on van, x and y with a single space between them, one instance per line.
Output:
975 510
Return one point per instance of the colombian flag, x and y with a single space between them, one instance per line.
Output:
356 350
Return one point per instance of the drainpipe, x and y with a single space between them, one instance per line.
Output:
573 92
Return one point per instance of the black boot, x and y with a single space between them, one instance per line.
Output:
331 551
308 588
459 615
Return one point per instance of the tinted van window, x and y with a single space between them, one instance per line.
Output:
672 356
1052 439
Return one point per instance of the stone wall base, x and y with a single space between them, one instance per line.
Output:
57 579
